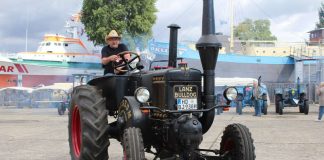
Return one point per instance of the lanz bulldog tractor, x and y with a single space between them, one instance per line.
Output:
166 109
291 97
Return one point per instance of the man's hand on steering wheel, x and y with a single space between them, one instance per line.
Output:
123 64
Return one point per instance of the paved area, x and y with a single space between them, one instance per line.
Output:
41 134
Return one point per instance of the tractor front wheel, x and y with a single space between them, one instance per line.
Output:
306 107
237 143
280 108
277 101
88 136
133 144
301 109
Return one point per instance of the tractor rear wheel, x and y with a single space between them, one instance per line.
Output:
88 136
306 107
133 144
237 143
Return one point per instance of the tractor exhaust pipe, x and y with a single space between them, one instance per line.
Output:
173 44
208 47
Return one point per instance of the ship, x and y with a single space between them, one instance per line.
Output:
57 58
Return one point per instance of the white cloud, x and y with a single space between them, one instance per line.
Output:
289 18
294 27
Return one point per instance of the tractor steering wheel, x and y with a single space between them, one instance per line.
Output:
126 65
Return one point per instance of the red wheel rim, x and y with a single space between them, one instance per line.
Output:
76 131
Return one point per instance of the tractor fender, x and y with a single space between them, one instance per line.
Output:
302 99
303 96
130 115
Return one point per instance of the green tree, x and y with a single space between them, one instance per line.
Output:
254 30
133 18
320 24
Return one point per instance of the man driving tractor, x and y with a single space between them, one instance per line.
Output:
109 52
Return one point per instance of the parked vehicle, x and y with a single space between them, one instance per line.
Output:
16 96
291 97
247 98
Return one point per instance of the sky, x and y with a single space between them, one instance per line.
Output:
290 19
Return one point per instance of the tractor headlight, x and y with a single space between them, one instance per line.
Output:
230 93
142 95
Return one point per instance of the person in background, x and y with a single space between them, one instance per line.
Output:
320 93
257 100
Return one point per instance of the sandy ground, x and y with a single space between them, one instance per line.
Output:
41 134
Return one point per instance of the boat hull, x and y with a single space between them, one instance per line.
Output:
27 75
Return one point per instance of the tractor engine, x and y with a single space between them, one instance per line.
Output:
179 91
185 133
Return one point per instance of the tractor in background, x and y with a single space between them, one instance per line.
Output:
291 97
247 98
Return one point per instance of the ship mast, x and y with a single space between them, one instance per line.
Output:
26 32
232 26
73 26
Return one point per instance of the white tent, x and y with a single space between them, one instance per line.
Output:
234 81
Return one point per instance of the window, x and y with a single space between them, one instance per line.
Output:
48 43
65 44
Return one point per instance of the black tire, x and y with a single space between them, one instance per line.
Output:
302 105
280 107
88 125
277 100
239 107
61 110
133 144
265 108
306 107
301 109
238 143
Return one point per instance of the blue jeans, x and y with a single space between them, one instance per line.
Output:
257 107
321 112
219 111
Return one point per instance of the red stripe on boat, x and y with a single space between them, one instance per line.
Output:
20 70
